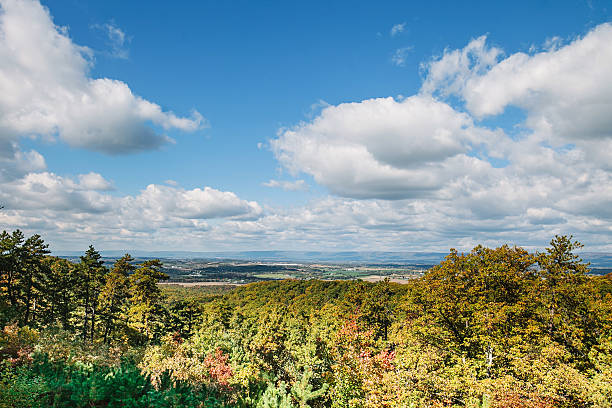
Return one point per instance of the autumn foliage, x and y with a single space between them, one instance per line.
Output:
492 328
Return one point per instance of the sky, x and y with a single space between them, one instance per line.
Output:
344 125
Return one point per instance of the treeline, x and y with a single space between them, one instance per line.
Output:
491 328
85 298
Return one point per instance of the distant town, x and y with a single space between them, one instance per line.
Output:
218 268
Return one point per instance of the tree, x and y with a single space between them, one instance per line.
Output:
57 286
114 294
372 304
567 298
20 268
92 277
303 391
34 250
476 304
145 298
10 267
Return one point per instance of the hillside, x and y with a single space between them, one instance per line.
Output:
492 328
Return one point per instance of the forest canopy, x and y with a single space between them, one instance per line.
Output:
490 328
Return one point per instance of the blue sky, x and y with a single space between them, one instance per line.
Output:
254 96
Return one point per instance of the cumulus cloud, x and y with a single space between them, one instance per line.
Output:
198 203
81 209
86 194
511 209
49 191
94 181
15 163
384 148
565 90
478 184
415 173
46 90
450 73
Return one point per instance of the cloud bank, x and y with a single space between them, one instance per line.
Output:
549 171
423 172
82 210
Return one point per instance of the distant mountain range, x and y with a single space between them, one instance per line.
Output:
598 260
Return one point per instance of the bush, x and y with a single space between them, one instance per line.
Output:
55 384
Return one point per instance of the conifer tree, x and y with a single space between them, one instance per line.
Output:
92 275
114 294
145 298
57 286
10 266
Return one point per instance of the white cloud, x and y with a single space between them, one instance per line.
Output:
553 43
384 148
94 181
397 29
399 56
46 90
15 163
416 173
207 203
476 184
450 73
566 91
510 207
37 191
297 185
79 210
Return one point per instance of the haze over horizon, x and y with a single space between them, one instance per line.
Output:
236 126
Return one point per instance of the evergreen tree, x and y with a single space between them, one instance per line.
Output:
114 294
10 267
92 276
146 311
20 269
33 252
58 288
567 298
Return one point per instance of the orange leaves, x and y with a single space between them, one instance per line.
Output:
17 344
218 367
181 363
363 371
514 399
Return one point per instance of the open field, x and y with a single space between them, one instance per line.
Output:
395 279
195 284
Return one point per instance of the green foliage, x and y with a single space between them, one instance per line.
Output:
55 384
113 296
275 397
91 277
146 314
21 267
492 328
303 391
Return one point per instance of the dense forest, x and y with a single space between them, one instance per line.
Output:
490 328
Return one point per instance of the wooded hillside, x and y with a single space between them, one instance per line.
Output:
490 328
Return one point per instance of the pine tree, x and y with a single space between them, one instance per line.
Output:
114 294
92 276
57 286
146 311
